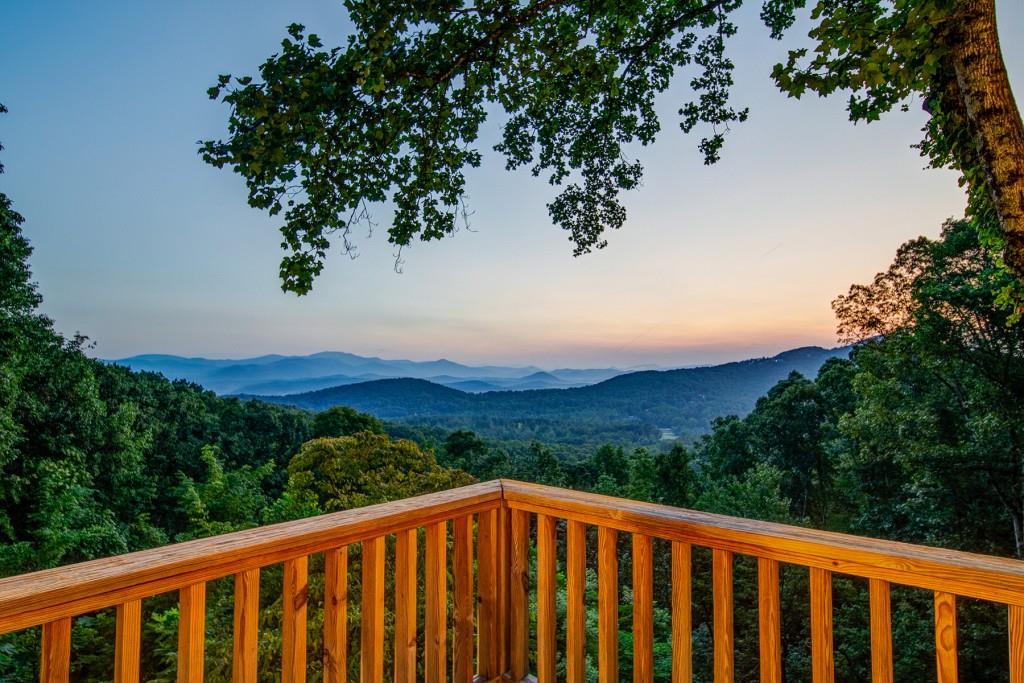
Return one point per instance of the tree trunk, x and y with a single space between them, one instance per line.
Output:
994 119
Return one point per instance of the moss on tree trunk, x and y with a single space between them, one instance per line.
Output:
994 119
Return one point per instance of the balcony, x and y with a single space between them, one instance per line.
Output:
481 546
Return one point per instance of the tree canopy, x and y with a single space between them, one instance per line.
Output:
396 112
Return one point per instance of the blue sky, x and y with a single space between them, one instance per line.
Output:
144 248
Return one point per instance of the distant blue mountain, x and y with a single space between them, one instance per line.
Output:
682 401
278 375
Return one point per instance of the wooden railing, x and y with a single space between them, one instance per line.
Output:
490 622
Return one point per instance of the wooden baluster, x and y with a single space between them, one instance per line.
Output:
462 574
487 589
682 613
293 625
881 631
576 611
437 603
519 614
721 582
55 661
822 662
945 637
371 634
336 615
504 559
545 599
768 619
607 605
191 632
643 609
127 642
405 607
1016 623
246 638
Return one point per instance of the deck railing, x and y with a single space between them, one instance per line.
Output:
490 620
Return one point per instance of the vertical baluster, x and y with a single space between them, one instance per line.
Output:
682 614
519 614
191 632
545 599
768 617
405 607
945 637
576 573
1016 623
487 580
128 625
336 615
55 661
437 599
607 605
721 581
246 624
371 634
293 626
881 631
504 560
822 662
462 571
643 609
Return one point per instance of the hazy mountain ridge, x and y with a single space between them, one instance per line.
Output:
277 374
684 400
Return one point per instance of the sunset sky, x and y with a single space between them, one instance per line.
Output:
145 249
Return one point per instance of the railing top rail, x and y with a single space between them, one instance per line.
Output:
31 599
971 575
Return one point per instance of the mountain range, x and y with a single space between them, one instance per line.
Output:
639 406
277 375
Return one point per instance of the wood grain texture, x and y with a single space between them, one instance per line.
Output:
335 656
55 657
503 545
768 621
504 555
405 606
643 609
881 631
33 599
682 613
980 576
1015 620
822 652
436 623
294 597
127 642
462 578
371 632
607 605
546 588
945 638
487 594
519 608
721 589
246 626
575 599
191 633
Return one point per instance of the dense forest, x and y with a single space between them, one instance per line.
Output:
917 436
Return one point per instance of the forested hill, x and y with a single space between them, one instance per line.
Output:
640 403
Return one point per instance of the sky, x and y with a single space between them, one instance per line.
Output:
145 249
